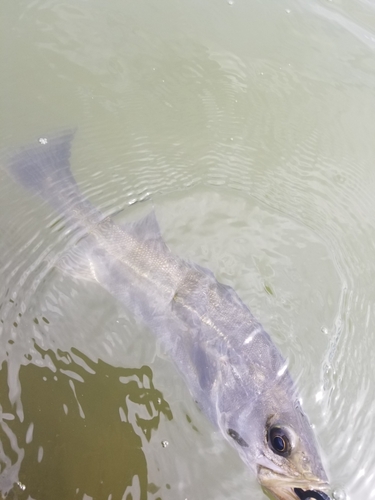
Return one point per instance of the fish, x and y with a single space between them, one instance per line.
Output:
233 370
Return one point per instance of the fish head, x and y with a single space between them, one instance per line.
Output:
275 439
289 465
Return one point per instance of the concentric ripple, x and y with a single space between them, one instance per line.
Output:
249 128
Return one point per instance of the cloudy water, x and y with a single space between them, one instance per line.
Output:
249 127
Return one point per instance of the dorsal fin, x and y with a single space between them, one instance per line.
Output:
147 229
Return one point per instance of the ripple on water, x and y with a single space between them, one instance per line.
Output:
259 243
257 169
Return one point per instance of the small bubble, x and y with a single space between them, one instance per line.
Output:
43 140
324 330
339 495
287 11
159 401
164 444
230 2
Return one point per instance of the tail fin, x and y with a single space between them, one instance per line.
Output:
44 167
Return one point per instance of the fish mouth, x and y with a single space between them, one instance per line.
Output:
305 495
288 488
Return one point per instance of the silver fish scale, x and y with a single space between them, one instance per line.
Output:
221 350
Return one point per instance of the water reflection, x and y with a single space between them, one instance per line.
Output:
84 429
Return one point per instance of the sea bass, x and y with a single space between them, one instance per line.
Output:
233 370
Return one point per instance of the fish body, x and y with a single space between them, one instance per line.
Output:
233 370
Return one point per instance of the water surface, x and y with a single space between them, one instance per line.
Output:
248 127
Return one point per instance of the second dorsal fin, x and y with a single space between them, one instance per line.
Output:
146 229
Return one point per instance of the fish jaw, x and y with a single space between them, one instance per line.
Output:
282 487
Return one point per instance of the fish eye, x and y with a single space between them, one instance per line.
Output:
279 441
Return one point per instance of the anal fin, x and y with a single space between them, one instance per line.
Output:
78 262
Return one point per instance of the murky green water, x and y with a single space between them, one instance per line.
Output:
249 127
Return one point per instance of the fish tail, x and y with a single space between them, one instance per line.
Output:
43 167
